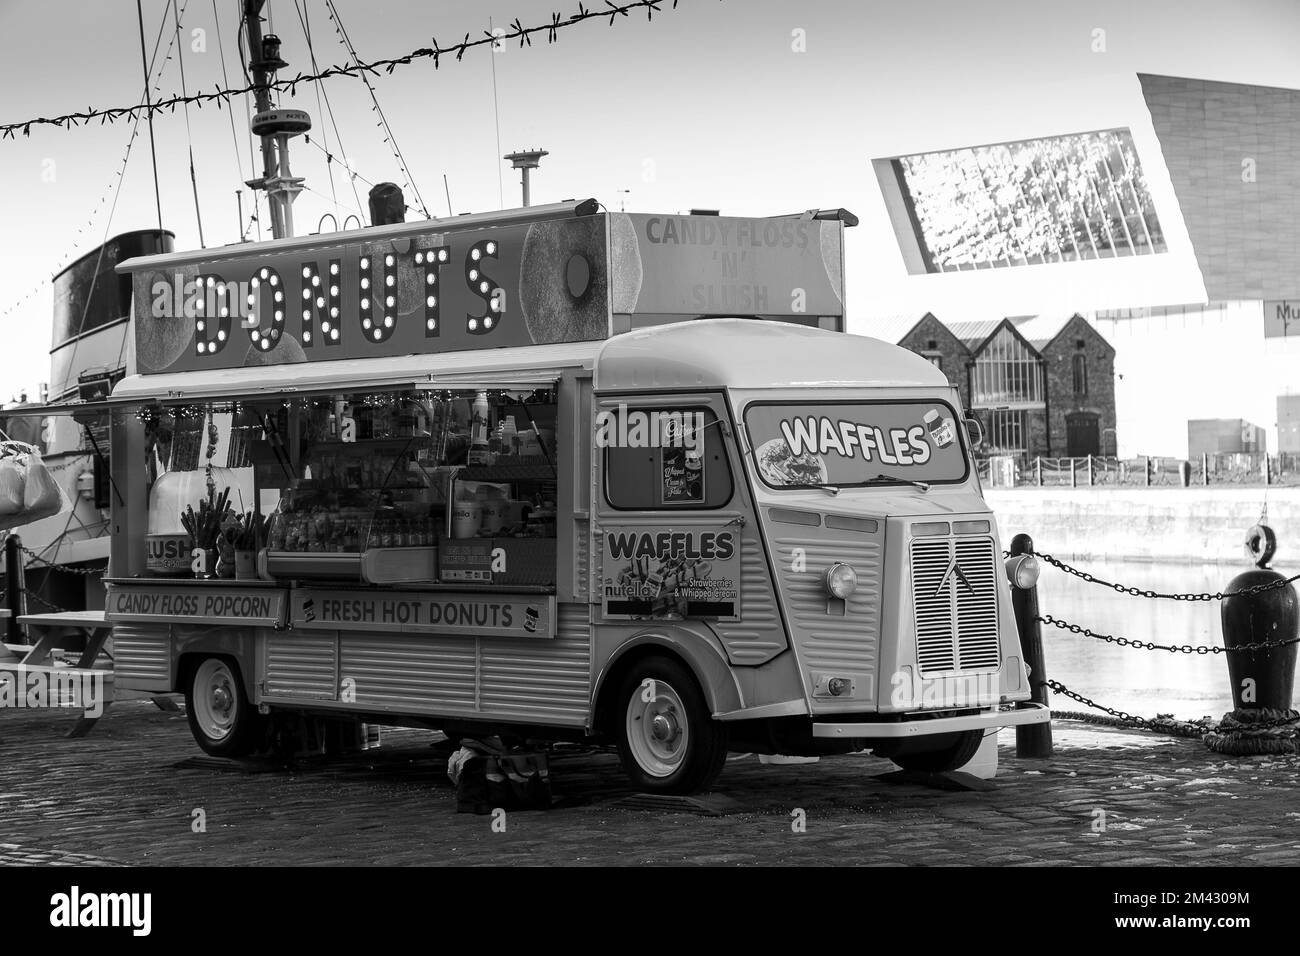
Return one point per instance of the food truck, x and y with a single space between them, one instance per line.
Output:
554 473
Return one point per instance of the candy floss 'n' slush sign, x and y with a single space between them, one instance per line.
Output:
402 293
787 267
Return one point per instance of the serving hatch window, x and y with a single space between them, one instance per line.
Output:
391 486
809 444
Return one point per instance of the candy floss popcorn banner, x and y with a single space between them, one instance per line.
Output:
195 604
724 265
441 291
654 573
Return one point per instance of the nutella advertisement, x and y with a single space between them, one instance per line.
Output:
842 444
669 574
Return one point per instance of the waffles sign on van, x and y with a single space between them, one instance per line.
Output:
553 473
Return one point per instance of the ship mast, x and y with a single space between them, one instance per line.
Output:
273 125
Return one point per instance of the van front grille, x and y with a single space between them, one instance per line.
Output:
955 594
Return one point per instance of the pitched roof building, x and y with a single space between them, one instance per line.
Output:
1040 385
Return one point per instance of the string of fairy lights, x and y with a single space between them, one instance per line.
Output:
437 52
113 184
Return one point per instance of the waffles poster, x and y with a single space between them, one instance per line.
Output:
671 575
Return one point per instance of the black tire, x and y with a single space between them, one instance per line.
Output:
945 752
222 720
676 713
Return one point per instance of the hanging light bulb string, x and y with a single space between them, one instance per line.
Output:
436 52
114 183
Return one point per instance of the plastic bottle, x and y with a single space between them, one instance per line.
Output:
509 436
478 432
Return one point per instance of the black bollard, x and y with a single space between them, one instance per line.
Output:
1260 678
1032 740
15 588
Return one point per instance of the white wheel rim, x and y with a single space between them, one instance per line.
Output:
216 700
658 731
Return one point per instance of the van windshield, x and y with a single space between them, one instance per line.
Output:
843 444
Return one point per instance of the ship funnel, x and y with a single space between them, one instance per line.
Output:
387 205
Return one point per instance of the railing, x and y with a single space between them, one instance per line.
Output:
1223 468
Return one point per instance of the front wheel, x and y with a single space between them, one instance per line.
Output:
221 719
668 740
944 752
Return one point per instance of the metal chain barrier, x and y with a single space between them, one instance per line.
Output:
1148 593
37 559
1153 646
1164 724
1284 724
33 596
1240 732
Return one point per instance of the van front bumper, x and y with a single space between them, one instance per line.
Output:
1022 713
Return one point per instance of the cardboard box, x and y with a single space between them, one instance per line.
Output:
465 560
505 561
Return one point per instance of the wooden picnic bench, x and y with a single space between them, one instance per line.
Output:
84 631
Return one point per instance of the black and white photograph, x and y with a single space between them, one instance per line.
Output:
735 434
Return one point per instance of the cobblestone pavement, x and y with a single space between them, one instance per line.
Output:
119 796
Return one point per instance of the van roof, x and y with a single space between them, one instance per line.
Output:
704 353
750 353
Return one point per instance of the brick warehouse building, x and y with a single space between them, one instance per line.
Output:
1040 385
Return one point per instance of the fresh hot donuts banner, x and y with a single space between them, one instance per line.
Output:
441 291
855 443
448 289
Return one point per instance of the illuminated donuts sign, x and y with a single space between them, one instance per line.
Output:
439 291
403 291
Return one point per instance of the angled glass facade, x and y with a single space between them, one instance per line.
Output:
1054 199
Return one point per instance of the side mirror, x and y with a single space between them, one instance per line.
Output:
974 431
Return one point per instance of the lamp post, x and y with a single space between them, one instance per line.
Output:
524 160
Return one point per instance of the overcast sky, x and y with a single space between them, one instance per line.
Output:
712 105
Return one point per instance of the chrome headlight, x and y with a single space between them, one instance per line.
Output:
1023 571
841 580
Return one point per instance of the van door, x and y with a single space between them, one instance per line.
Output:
675 535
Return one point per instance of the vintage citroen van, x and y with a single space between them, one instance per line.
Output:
861 602
565 497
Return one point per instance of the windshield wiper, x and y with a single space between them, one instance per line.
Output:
823 485
892 479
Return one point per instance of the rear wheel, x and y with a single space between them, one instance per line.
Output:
667 738
943 752
221 719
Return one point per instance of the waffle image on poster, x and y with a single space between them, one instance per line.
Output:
781 466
